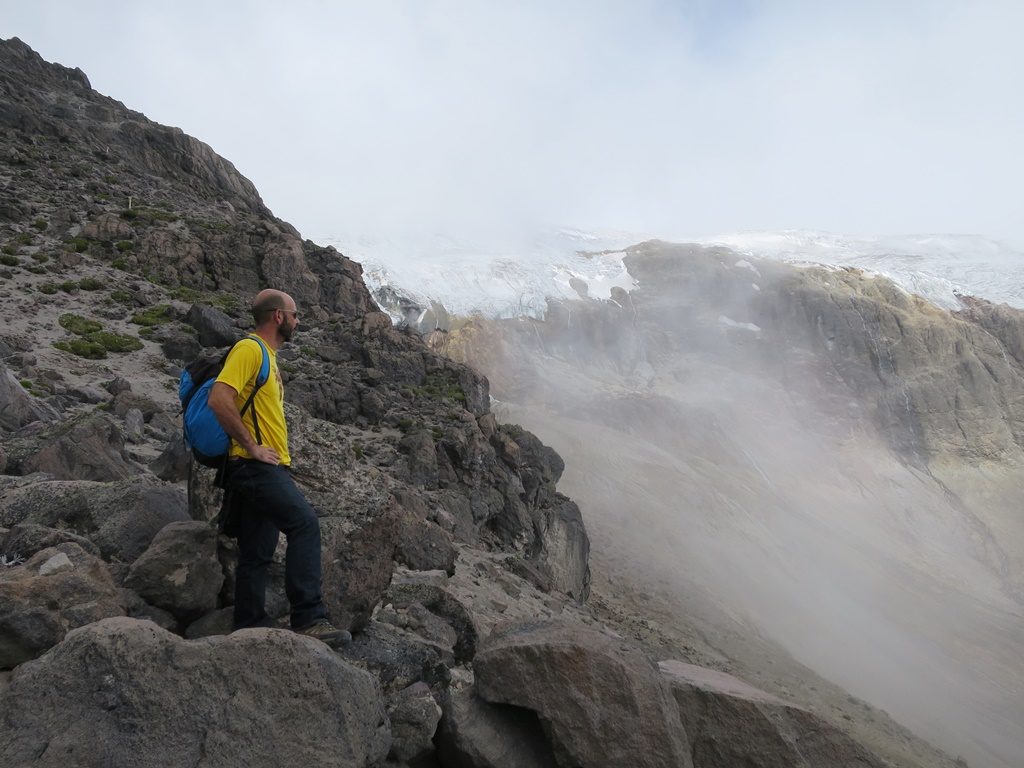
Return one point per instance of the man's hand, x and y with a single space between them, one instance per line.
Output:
266 454
222 403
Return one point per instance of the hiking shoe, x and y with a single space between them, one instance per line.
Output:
326 632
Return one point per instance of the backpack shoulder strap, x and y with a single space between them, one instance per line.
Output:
262 375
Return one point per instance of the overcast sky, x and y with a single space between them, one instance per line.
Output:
671 118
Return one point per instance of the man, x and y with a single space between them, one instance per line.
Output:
258 482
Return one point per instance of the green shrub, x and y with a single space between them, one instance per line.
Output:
123 245
77 244
24 238
147 332
123 297
10 249
48 288
156 315
184 293
42 258
9 261
69 286
114 342
35 269
357 449
39 224
90 284
78 324
121 264
90 350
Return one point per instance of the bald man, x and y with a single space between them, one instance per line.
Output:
258 483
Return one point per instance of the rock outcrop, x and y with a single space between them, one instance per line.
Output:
124 691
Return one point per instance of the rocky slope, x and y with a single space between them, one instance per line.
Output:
128 249
808 456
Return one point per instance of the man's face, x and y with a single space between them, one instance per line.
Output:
289 322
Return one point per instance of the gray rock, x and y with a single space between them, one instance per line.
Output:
26 539
214 327
17 406
88 448
191 702
90 394
37 608
398 658
601 700
120 518
565 548
732 723
126 401
179 572
424 546
357 564
173 462
134 425
217 622
407 592
414 715
475 734
117 385
56 564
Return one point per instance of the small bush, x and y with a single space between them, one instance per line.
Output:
39 224
78 324
10 249
48 288
147 332
357 449
123 297
9 261
24 238
123 245
157 315
120 264
35 269
114 342
90 284
78 244
69 286
90 350
42 258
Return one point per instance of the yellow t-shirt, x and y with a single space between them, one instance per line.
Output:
239 373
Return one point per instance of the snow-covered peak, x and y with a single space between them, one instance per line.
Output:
516 277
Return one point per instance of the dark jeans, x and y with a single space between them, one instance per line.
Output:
266 503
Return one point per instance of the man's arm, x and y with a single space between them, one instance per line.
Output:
222 403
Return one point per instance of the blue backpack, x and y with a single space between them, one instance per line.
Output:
203 433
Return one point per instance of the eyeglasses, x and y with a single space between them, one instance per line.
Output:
293 311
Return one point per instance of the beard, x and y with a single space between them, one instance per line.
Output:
286 330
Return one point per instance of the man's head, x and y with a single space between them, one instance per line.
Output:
275 311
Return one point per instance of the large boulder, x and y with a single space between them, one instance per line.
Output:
125 692
732 723
120 518
57 589
17 406
87 448
475 734
601 700
180 572
414 715
214 327
565 548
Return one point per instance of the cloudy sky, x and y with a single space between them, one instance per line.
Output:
674 118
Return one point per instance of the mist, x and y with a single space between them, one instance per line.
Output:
764 508
665 117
